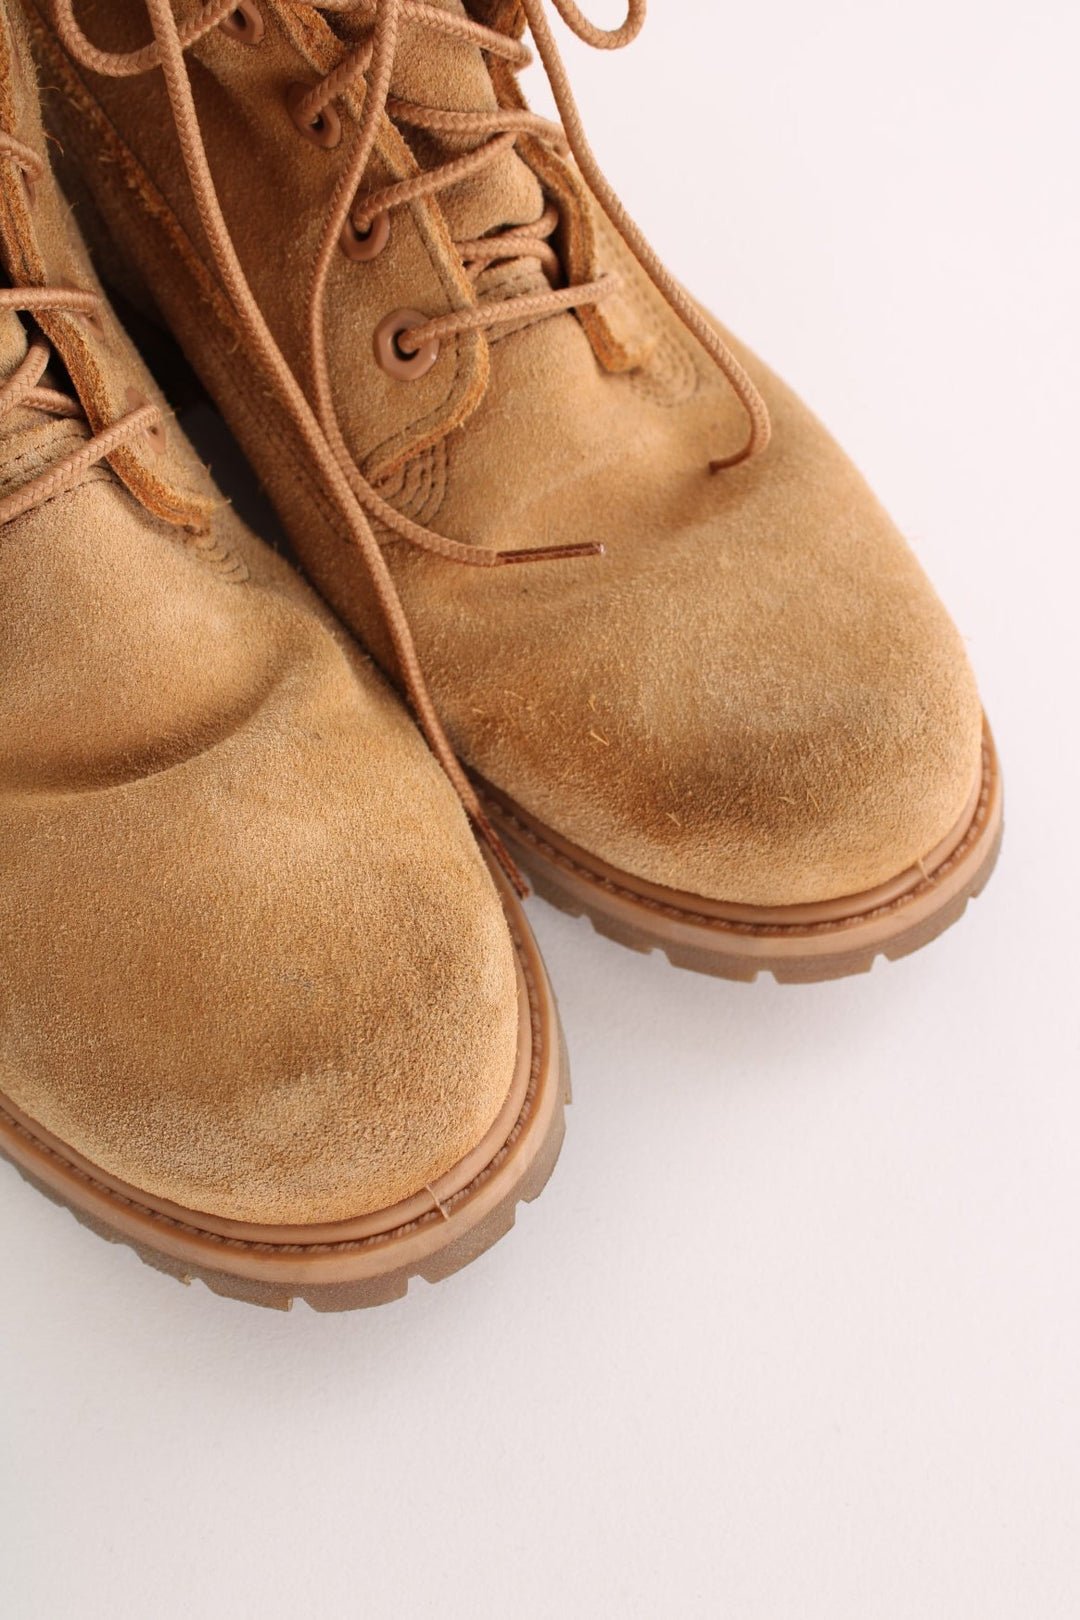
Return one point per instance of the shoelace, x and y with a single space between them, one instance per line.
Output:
23 388
502 127
317 421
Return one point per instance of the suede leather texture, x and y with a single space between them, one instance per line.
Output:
755 695
251 958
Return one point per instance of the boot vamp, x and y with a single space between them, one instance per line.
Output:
754 695
253 960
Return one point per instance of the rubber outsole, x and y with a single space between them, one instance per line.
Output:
797 945
328 1269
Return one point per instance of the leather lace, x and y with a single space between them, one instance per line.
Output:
373 62
23 389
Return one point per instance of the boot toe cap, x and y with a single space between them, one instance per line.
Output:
284 990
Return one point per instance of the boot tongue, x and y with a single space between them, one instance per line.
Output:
437 71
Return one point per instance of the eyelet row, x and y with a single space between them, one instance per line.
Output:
245 24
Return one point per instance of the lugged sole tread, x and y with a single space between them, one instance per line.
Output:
750 941
375 1291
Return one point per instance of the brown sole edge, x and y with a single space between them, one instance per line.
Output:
330 1276
753 940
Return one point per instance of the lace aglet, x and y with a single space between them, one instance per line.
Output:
526 554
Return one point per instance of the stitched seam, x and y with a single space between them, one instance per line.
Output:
762 930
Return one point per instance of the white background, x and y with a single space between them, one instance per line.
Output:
793 1332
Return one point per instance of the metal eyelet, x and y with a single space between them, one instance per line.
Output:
368 244
244 23
155 434
326 130
393 359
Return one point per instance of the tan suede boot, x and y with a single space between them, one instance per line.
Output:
747 732
264 1014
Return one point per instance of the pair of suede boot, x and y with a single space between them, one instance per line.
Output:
270 1009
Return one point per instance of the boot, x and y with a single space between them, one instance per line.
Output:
705 691
266 1012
